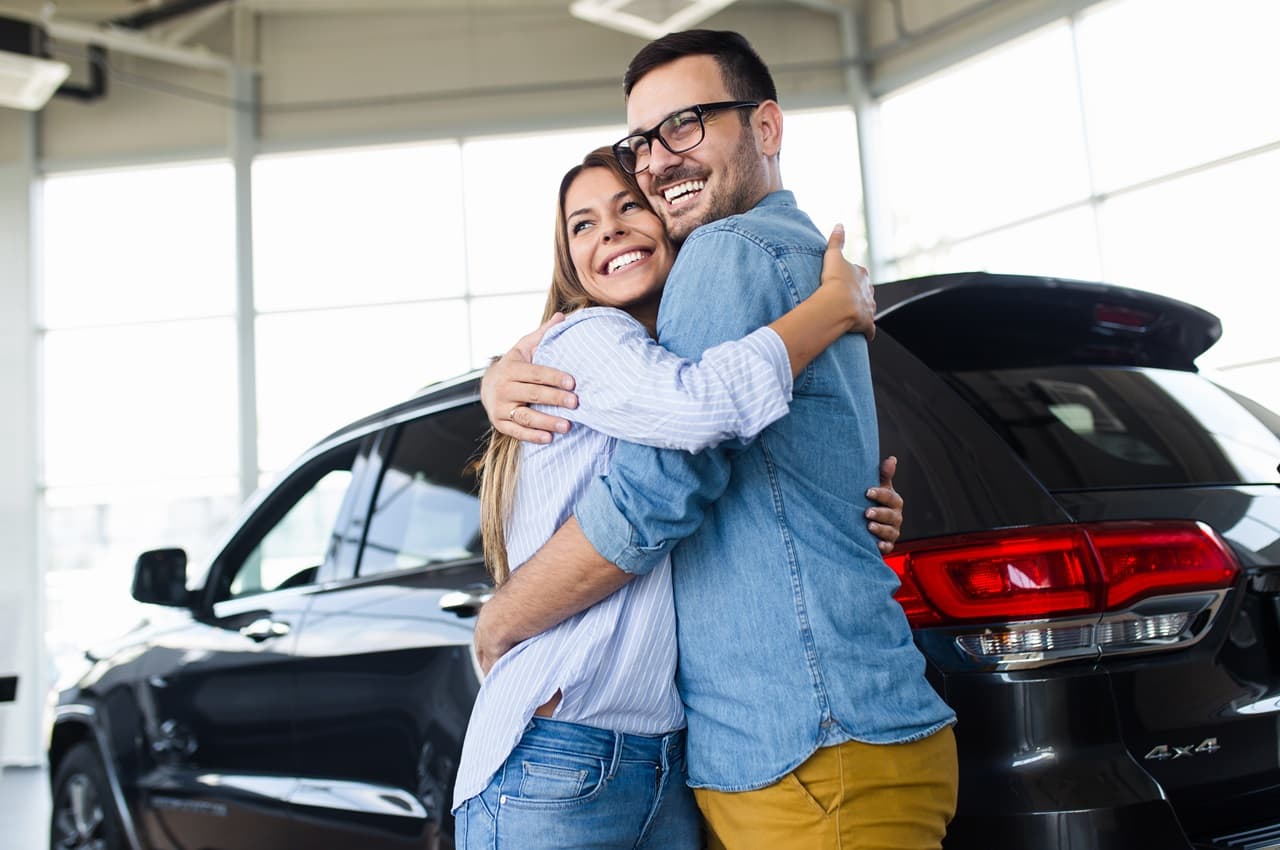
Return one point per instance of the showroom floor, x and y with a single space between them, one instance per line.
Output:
24 808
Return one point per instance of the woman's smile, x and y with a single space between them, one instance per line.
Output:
625 260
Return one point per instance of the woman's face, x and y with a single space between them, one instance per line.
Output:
619 248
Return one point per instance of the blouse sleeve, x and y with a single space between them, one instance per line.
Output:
632 388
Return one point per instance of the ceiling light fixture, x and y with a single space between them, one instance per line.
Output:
27 79
613 14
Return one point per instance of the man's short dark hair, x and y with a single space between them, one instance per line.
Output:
744 72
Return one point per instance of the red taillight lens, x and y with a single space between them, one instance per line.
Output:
1006 577
1055 571
1146 559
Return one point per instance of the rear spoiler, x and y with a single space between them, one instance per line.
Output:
975 320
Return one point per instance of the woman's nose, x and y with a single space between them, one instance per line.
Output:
614 232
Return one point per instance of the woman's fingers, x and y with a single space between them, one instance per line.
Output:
527 383
835 242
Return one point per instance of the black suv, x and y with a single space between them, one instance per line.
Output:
1092 565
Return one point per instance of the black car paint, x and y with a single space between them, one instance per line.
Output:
372 685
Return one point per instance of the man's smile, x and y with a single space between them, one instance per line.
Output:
683 192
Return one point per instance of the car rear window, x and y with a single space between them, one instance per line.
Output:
1081 427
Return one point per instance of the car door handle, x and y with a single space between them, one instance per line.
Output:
466 602
264 628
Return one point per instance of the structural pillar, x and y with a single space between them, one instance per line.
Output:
22 616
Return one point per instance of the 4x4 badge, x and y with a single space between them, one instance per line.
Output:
1164 751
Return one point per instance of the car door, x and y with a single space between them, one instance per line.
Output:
218 695
386 676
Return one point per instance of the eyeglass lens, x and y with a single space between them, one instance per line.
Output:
679 133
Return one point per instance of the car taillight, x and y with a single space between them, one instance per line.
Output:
1139 561
1091 579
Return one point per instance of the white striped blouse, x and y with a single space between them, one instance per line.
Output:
614 663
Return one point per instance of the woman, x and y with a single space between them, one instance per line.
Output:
575 739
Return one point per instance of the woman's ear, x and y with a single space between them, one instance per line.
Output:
767 122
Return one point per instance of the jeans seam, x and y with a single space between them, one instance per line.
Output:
664 764
616 759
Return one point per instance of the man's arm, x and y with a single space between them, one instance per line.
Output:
568 575
564 577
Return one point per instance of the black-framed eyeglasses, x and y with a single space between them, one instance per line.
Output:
682 130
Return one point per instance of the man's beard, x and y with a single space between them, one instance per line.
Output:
738 191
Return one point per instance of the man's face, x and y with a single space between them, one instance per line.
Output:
723 176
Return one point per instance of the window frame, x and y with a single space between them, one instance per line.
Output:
273 508
389 440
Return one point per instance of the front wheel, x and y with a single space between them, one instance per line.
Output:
84 815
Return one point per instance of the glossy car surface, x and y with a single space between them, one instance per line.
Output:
311 688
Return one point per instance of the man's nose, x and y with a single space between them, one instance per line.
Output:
662 160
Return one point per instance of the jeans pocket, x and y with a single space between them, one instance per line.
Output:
550 782
550 779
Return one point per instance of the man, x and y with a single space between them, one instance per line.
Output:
810 721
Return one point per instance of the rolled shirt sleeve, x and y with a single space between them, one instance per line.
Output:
632 388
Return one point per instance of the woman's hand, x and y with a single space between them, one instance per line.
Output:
513 383
848 287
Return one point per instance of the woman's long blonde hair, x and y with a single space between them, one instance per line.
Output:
499 467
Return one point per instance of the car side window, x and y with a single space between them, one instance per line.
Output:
427 507
295 531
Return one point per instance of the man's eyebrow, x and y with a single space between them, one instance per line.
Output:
587 210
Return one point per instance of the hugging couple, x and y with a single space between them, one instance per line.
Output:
694 640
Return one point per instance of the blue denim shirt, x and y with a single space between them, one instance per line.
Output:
789 636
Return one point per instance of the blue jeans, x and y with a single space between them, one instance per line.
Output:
577 787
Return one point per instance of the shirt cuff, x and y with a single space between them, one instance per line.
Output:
766 342
610 533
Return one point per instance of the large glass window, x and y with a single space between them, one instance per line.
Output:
358 227
1107 147
820 165
1173 83
138 245
138 392
990 142
510 204
1207 239
319 370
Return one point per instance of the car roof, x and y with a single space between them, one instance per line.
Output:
937 315
462 388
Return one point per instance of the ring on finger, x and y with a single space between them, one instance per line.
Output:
512 414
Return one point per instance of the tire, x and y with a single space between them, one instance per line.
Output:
84 814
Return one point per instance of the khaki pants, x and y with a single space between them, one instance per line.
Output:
851 796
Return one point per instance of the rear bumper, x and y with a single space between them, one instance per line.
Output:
1142 826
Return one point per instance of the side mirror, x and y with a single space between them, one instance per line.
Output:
160 578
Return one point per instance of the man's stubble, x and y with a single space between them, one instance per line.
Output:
742 188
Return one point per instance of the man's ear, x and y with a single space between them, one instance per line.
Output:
767 123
